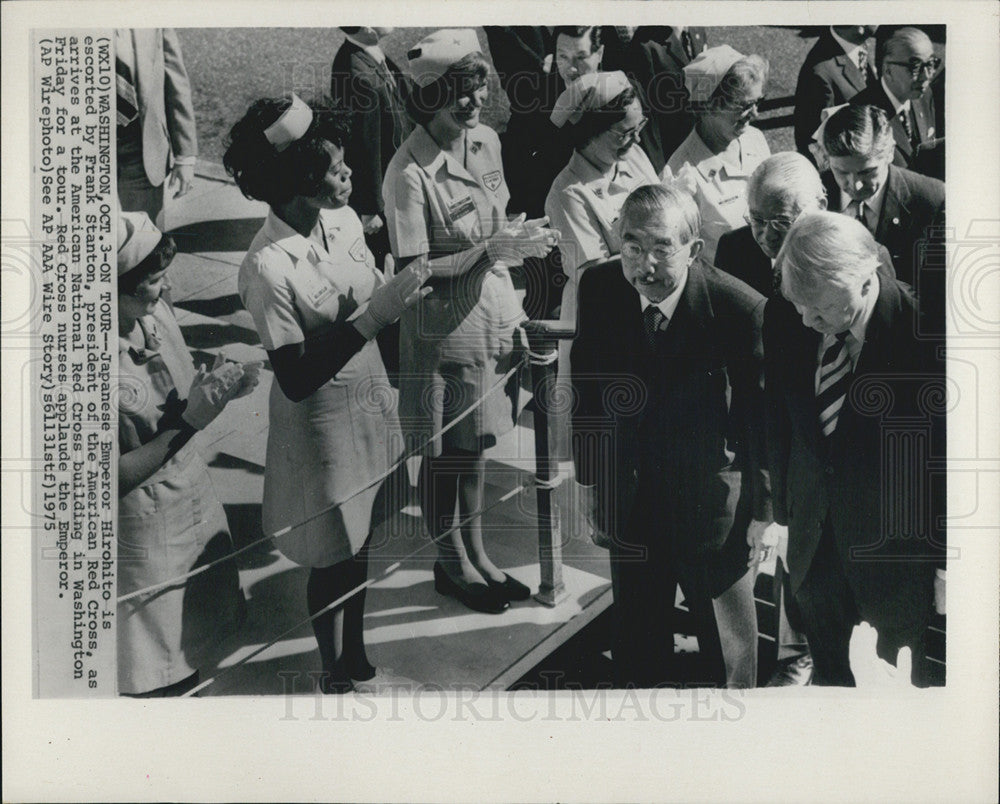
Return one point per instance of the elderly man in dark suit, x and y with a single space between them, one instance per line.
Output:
666 366
906 65
369 84
782 187
655 61
835 70
902 209
156 134
855 423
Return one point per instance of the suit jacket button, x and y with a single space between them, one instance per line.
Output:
829 470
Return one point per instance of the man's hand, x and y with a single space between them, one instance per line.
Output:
872 671
591 511
765 540
183 177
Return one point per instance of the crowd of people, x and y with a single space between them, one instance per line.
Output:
778 311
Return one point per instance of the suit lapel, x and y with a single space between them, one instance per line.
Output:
850 70
894 207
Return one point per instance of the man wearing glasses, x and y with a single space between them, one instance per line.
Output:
666 368
907 66
782 187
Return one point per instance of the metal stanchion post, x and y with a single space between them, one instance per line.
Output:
542 341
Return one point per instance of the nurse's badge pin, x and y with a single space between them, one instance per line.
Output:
492 180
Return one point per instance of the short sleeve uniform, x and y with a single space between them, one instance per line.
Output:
167 526
322 452
722 184
584 204
459 341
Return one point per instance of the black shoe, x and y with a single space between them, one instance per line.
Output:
795 672
509 588
477 596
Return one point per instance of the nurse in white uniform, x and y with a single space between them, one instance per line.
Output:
723 149
446 201
317 302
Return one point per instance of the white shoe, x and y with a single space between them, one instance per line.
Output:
385 681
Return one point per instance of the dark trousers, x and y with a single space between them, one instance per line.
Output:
829 611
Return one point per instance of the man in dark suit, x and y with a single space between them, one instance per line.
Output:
666 366
835 70
855 423
907 64
367 83
902 209
156 134
655 62
782 187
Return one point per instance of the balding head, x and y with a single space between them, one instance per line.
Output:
908 63
781 188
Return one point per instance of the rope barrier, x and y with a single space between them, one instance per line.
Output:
392 568
546 359
180 579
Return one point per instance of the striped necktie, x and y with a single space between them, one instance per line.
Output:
832 379
863 65
128 101
905 117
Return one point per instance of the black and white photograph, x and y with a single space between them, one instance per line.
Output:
456 394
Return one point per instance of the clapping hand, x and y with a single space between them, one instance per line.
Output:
766 539
521 239
389 299
872 671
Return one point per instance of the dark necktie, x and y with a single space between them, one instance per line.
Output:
652 320
834 375
687 44
906 119
863 65
128 102
859 213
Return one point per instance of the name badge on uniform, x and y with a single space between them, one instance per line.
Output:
492 180
461 208
359 251
729 200
318 291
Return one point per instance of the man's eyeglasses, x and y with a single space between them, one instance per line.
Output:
633 251
916 67
631 133
780 225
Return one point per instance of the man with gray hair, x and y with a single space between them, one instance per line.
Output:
906 65
666 368
854 432
782 187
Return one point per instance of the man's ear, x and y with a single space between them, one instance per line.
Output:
822 203
696 247
867 286
600 55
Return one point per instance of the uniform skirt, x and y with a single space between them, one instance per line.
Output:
167 527
323 454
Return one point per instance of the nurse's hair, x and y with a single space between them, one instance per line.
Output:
157 260
594 122
824 250
859 130
652 199
464 76
744 75
264 173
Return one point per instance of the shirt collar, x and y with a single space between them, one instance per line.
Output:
710 165
873 205
284 236
372 50
850 49
669 305
430 157
593 178
897 104
152 342
859 327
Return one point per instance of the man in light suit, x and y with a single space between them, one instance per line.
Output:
902 209
372 88
835 70
855 425
156 124
666 366
906 65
